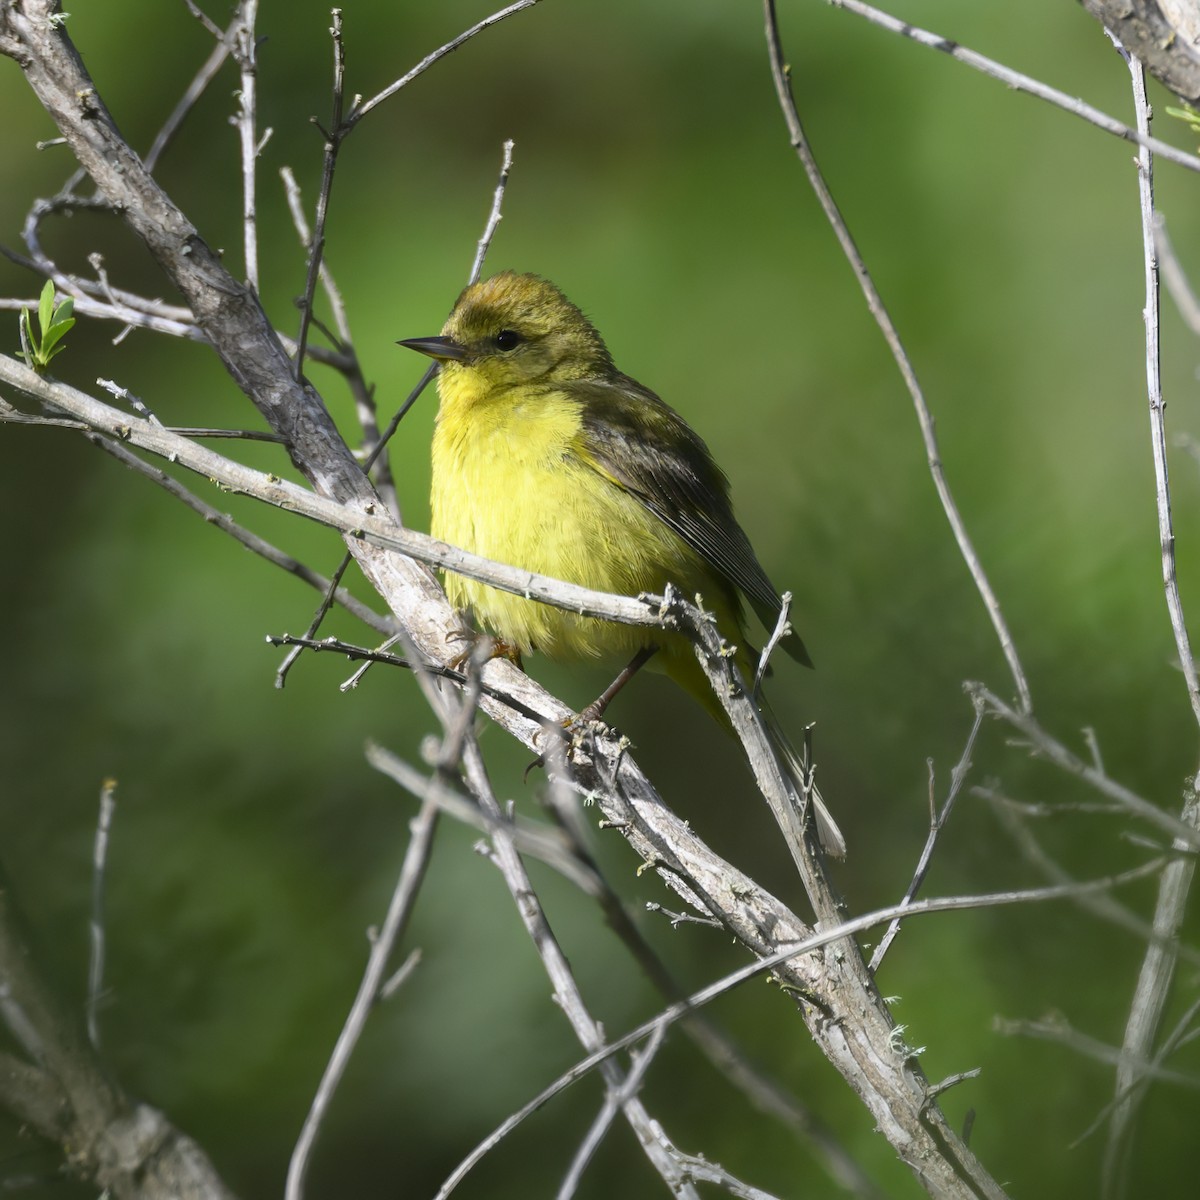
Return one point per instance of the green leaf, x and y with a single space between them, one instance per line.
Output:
54 335
46 306
65 311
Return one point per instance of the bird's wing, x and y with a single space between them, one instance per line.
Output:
636 440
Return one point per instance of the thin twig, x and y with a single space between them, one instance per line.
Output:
1054 751
1059 1031
1010 815
333 142
710 992
781 630
496 214
1158 966
108 804
1179 1036
323 607
780 73
640 1061
203 18
1158 429
936 825
356 677
247 126
361 110
222 521
363 393
401 975
198 86
534 839
566 989
408 884
401 413
703 1171
1175 277
1018 82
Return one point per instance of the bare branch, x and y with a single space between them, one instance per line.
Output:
108 804
1175 277
222 521
404 895
1158 966
360 110
247 127
66 1095
494 217
363 526
1055 752
937 824
207 73
787 103
375 459
1158 425
1059 1031
1018 82
640 1062
1010 816
790 955
660 1154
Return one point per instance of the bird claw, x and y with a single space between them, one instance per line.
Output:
574 731
482 648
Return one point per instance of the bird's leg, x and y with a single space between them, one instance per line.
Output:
484 647
595 710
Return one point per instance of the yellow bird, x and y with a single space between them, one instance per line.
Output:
548 458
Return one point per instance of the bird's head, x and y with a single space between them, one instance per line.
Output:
513 330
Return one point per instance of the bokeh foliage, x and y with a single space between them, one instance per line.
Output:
654 183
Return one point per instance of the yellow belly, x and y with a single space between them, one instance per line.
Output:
507 486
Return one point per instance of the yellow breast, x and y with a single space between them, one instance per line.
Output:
508 485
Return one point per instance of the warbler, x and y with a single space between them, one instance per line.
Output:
548 458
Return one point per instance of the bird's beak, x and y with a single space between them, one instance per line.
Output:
444 349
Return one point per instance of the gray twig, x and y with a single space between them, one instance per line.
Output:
1050 748
108 804
248 138
785 954
1011 817
496 214
640 1061
1018 82
936 825
360 110
787 103
199 84
222 521
1175 277
1158 965
370 990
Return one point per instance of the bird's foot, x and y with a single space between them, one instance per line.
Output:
574 733
481 648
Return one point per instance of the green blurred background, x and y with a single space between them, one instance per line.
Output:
653 181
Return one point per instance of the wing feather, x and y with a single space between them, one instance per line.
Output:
645 447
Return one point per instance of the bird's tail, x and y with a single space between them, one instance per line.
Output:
797 769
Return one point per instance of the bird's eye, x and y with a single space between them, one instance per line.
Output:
506 339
